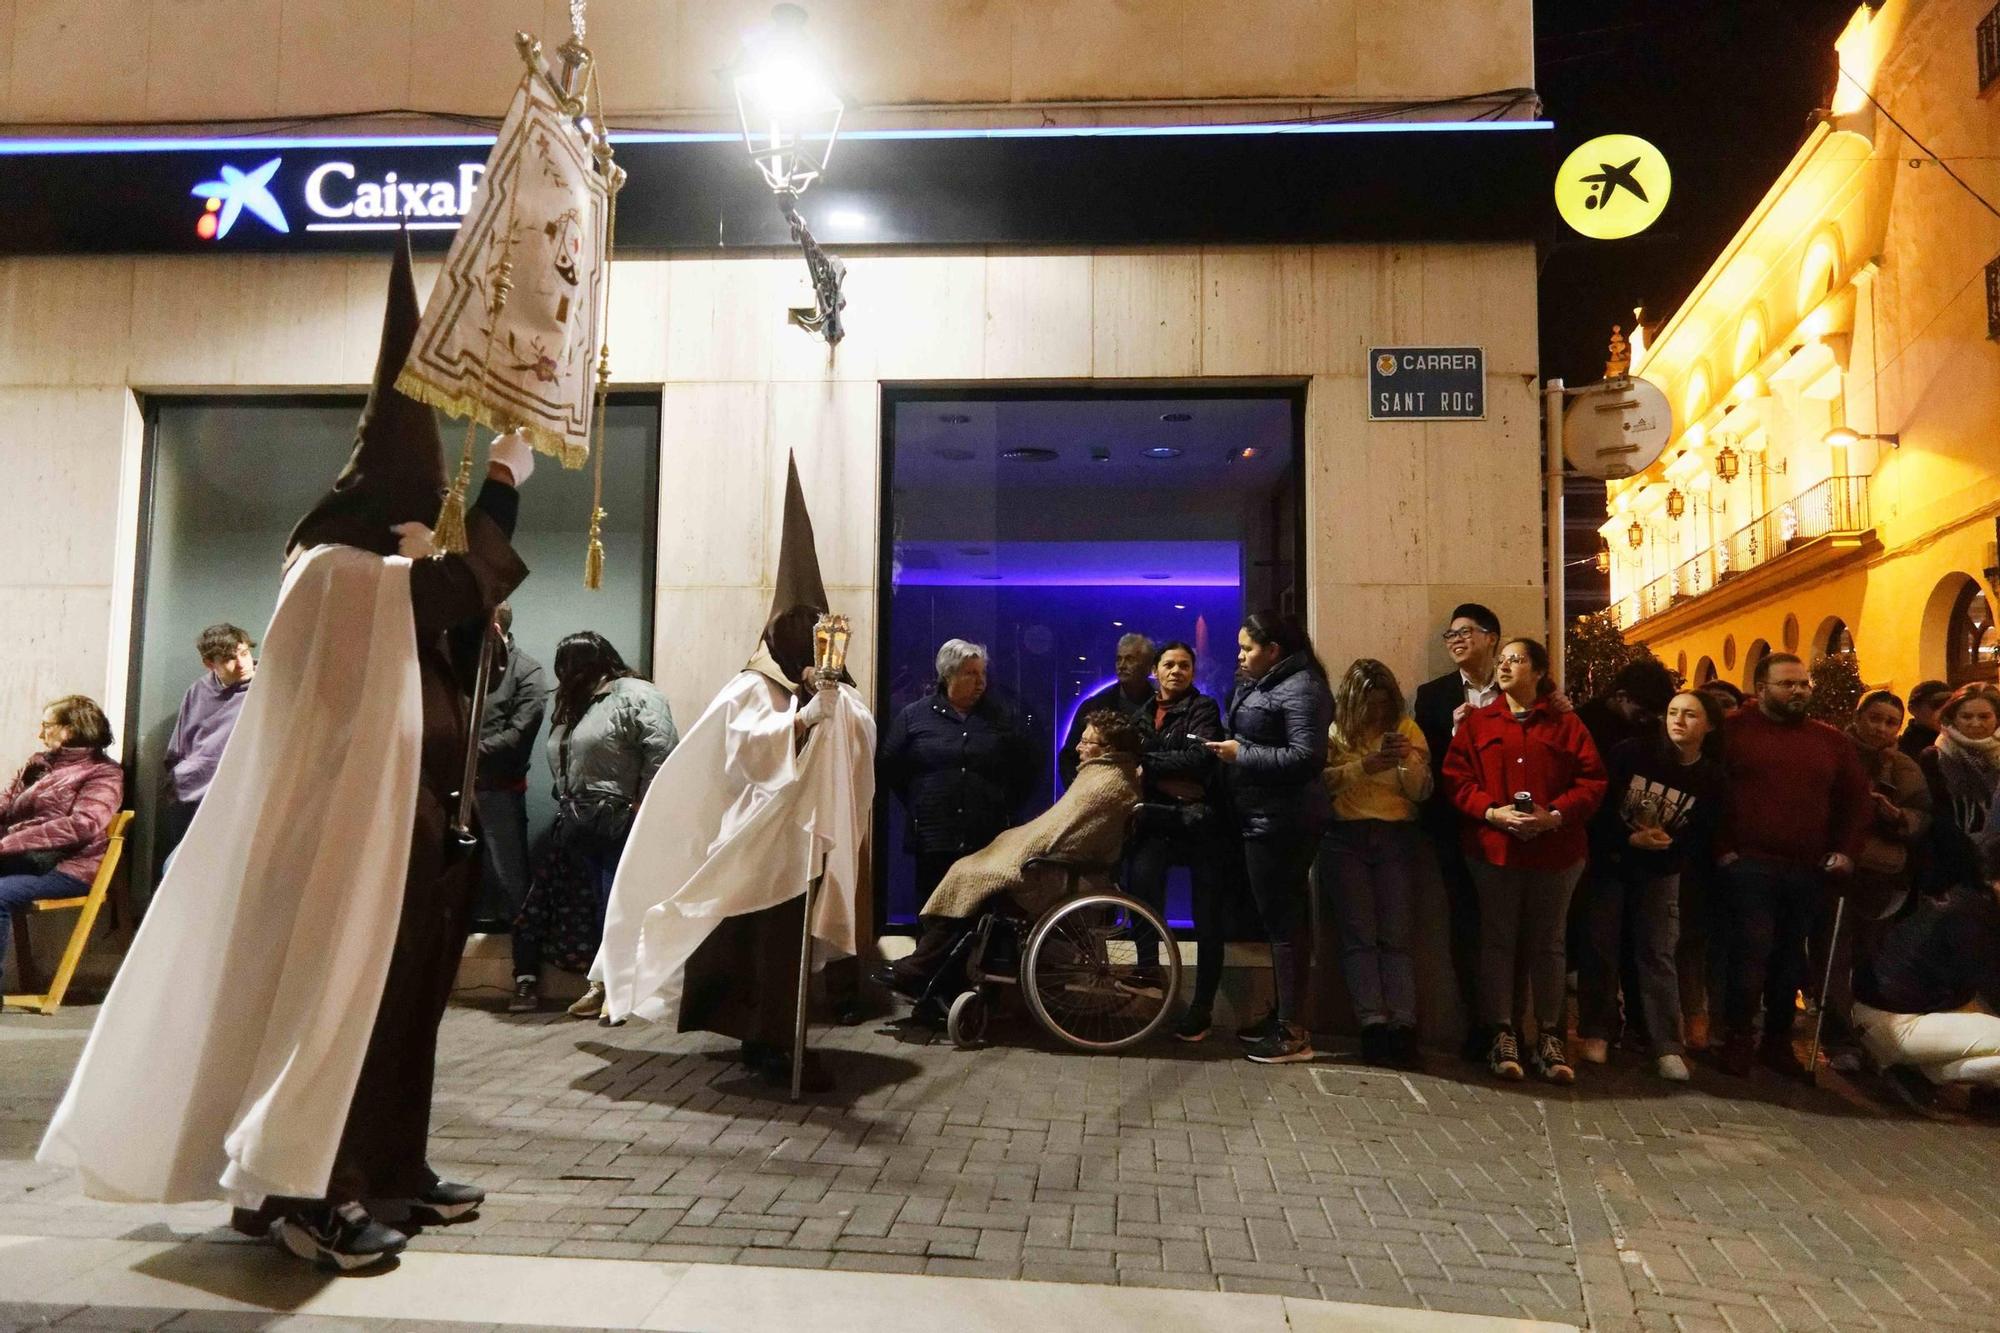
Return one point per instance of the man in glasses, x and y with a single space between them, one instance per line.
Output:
1472 642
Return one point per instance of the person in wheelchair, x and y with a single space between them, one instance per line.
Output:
1087 824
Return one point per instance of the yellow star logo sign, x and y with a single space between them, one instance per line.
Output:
1614 186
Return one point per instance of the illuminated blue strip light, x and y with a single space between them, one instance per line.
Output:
59 147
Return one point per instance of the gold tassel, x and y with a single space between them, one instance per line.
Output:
448 533
593 558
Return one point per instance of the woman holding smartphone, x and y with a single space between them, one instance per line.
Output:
1527 779
1378 771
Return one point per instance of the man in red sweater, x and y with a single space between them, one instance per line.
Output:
1795 811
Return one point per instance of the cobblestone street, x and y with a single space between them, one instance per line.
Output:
1616 1205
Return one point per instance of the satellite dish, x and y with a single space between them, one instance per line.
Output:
1616 428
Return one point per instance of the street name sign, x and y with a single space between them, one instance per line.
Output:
1426 384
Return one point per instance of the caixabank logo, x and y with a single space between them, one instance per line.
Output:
234 192
335 195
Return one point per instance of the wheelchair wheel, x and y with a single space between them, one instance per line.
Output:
966 1023
1083 977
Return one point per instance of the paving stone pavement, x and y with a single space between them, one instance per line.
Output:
1619 1204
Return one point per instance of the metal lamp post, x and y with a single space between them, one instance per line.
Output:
790 113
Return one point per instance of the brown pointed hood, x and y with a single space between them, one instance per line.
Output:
396 472
800 595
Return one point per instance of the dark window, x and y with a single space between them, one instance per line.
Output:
1989 49
1972 642
1993 298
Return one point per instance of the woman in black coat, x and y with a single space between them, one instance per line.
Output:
1179 824
1274 761
959 762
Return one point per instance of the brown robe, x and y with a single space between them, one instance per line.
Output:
1087 824
382 1150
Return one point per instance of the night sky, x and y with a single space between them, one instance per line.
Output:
1726 89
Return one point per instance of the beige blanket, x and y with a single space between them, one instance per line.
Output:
1087 824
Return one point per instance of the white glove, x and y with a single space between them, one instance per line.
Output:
817 708
511 451
415 540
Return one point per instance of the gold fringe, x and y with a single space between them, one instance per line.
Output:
448 535
453 403
593 557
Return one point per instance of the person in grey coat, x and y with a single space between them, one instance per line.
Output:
609 732
516 698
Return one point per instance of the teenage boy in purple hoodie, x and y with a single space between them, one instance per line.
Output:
208 714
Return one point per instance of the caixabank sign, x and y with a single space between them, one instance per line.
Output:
1192 184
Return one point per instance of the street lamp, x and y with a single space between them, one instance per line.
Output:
1727 463
1840 437
1635 536
1603 555
790 115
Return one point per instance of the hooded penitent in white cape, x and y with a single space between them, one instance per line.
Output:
739 818
224 1058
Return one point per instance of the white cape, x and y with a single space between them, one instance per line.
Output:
739 819
224 1059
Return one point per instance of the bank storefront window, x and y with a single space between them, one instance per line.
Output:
1047 524
227 478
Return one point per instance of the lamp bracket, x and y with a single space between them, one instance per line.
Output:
826 271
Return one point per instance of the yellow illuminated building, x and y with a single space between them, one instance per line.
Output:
1834 480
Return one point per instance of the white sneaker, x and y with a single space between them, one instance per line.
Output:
1593 1050
1672 1068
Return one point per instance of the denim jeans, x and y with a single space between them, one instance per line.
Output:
1642 915
1198 846
1274 867
17 891
1368 881
1522 918
1771 907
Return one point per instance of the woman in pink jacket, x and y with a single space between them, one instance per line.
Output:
55 817
1527 779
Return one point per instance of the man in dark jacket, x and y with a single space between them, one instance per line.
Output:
1632 708
1926 697
1129 695
516 698
960 763
1472 641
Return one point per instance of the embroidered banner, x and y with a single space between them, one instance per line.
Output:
539 220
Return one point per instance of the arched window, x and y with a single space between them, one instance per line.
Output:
1704 671
1755 653
1972 641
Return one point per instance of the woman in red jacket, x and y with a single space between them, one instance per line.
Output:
55 818
1527 779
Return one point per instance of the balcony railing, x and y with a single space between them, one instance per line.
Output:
1988 40
1837 505
1993 297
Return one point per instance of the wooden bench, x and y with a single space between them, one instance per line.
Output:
87 907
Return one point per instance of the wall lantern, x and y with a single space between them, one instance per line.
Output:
1603 555
1727 463
1635 536
1676 503
790 115
1840 437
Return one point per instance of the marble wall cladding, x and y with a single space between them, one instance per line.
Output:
98 60
1404 520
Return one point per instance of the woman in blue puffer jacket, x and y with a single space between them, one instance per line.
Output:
1277 722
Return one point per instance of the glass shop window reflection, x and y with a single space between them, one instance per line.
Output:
1047 527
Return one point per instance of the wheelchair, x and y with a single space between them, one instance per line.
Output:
1080 967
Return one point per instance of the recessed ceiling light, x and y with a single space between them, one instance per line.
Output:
1177 416
1180 606
1247 452
953 418
955 455
1163 451
1118 624
1030 455
1156 577
1100 454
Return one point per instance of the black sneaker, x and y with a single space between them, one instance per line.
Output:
527 996
1782 1057
341 1238
1258 1030
1552 1060
444 1203
1912 1089
1503 1057
1194 1025
1403 1052
1284 1044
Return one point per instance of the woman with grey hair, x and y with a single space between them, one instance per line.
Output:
959 761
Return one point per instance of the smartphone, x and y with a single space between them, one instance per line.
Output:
1524 801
